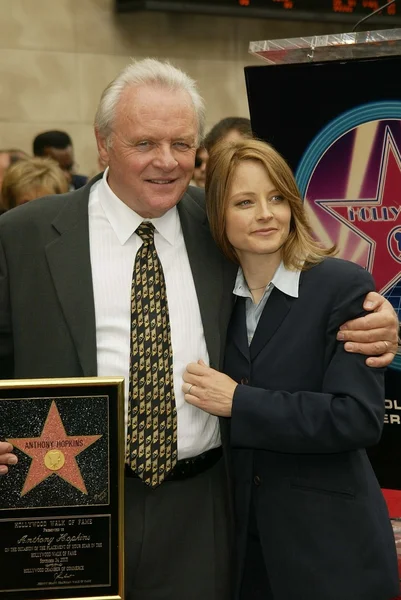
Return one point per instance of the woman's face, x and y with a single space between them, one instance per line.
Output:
257 217
199 175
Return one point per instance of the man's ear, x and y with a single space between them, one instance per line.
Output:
102 147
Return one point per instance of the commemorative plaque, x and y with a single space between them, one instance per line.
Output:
61 506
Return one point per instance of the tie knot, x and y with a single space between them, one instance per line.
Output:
146 232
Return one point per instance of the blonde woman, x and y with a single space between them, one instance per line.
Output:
31 178
311 520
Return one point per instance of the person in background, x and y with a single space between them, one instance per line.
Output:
9 157
58 146
229 129
199 175
32 178
311 520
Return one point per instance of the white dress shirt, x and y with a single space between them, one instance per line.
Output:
113 247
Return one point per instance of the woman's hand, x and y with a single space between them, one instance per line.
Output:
208 389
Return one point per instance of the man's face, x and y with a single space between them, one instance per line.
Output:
64 157
152 147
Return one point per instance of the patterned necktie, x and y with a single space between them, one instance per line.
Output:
152 422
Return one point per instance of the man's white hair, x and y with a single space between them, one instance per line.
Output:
148 71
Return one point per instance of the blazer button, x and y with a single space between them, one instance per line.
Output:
244 381
257 480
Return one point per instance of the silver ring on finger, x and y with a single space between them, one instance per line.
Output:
191 385
386 344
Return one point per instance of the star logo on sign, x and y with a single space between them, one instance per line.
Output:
377 220
54 452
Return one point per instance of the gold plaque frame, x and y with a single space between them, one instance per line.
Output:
62 505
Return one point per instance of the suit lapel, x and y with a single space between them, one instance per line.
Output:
68 258
238 327
212 276
273 315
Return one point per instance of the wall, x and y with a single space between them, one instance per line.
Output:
56 56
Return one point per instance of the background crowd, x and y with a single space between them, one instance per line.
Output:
51 169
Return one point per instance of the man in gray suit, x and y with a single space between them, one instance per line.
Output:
67 294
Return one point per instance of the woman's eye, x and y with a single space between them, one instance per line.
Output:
277 199
244 203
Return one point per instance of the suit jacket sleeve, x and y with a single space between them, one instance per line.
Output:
6 340
346 414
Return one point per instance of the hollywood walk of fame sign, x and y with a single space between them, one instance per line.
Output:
377 220
61 506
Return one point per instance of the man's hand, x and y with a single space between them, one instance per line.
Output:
208 389
375 335
6 457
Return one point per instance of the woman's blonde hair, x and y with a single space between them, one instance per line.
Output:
37 176
300 248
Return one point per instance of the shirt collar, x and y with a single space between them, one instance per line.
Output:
283 279
125 221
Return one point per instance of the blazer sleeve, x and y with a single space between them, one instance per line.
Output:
346 414
6 340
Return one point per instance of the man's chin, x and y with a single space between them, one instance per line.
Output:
161 203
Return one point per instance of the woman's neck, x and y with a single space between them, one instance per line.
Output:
259 271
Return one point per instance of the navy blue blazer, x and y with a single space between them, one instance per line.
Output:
302 417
